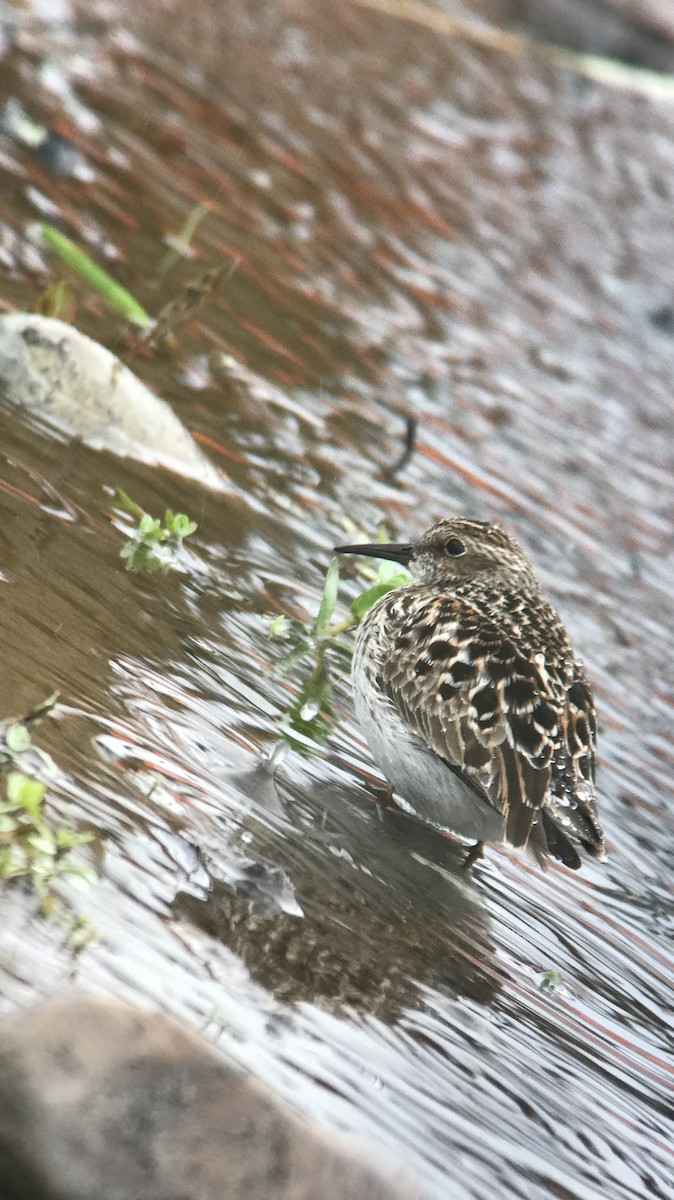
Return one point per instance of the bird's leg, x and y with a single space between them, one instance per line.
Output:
472 856
383 796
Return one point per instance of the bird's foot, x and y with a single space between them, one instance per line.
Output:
472 856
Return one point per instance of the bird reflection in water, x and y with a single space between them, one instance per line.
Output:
348 907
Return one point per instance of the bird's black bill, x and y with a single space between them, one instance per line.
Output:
399 552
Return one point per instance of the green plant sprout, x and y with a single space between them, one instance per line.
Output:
30 847
96 277
58 301
153 545
309 719
550 980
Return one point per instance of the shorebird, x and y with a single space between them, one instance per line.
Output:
472 699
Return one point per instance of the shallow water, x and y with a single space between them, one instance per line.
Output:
419 228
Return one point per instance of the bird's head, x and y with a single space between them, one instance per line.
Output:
455 551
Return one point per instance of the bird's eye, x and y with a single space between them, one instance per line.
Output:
454 547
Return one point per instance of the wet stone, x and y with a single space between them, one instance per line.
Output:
67 380
99 1099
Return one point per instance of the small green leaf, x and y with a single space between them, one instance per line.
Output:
149 527
550 979
66 838
124 503
278 626
17 738
25 793
29 847
360 605
152 546
181 526
43 842
329 599
14 861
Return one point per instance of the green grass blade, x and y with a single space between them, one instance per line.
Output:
98 279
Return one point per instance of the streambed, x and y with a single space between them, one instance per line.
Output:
418 226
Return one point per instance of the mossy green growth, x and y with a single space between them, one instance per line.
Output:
31 847
155 541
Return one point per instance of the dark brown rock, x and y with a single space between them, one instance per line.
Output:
98 1099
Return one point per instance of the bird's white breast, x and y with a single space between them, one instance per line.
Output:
425 785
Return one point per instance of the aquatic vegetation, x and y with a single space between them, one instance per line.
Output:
550 979
57 301
96 277
309 719
155 541
32 848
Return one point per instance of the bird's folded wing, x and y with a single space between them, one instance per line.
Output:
478 703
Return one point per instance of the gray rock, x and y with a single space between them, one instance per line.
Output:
99 1099
51 369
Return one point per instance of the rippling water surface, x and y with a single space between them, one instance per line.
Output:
409 227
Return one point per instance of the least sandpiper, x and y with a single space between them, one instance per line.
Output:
472 700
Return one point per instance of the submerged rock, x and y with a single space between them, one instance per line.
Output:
65 378
100 1099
